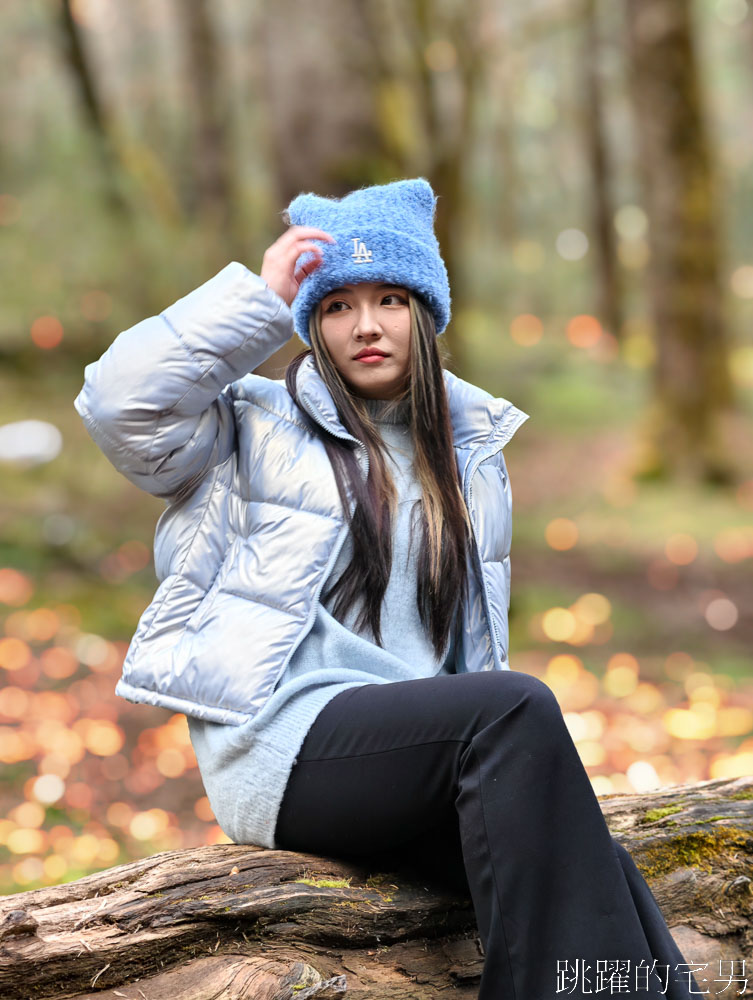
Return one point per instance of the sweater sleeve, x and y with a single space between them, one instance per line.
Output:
159 402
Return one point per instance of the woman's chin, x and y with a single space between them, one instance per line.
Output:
373 388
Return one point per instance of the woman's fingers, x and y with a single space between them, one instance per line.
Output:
305 269
307 232
298 248
301 246
278 264
293 243
295 240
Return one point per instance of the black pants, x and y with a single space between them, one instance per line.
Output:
477 775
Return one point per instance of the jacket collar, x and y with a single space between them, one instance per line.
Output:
478 418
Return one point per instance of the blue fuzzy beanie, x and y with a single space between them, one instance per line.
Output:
383 233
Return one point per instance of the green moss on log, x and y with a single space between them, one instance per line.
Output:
652 815
324 883
693 850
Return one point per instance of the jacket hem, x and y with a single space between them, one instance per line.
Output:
210 713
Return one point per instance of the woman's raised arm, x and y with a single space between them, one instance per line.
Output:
158 402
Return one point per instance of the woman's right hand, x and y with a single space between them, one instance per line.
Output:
278 264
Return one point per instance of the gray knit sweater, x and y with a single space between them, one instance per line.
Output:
245 768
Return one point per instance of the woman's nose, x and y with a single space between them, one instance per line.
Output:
367 322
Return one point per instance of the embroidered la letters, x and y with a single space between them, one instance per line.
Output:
360 254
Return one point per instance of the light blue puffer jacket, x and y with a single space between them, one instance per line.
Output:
253 520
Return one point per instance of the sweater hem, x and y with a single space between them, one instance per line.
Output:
255 810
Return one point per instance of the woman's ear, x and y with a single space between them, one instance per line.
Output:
285 216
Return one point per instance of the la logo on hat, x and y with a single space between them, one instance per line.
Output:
360 254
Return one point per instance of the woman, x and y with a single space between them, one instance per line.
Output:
332 612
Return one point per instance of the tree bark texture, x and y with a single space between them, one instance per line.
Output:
692 385
245 922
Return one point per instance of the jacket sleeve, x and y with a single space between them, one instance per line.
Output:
159 402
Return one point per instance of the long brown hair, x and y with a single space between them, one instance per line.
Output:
441 562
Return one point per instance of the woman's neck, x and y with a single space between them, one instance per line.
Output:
387 411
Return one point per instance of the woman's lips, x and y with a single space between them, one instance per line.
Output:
368 359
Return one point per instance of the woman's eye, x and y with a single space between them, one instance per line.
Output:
401 300
331 306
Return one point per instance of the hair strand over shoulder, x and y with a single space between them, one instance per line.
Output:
442 514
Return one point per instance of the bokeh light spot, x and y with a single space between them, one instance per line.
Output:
26 841
15 587
731 12
171 763
149 824
100 737
681 549
119 814
48 788
638 349
741 365
46 332
55 867
203 810
721 613
584 331
526 329
558 624
642 776
30 442
28 814
561 534
571 244
631 222
14 702
14 654
593 608
441 55
732 545
741 281
79 795
58 662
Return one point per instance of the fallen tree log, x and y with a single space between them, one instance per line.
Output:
244 922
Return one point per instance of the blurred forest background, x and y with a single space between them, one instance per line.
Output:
594 162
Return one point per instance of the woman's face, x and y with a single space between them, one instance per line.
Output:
366 328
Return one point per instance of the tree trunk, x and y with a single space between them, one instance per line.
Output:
93 107
317 122
692 386
245 922
428 88
319 128
212 149
608 293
